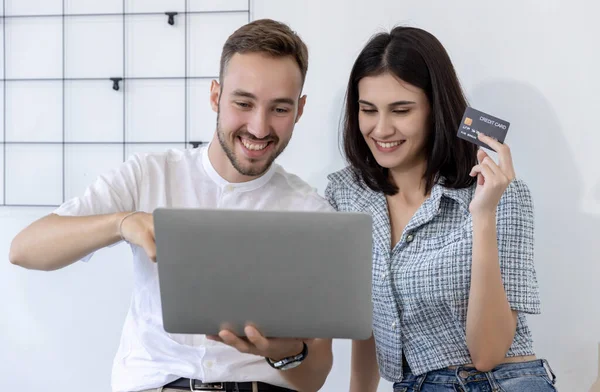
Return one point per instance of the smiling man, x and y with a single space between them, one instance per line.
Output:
258 100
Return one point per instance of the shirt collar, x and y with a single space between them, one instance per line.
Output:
235 186
462 196
376 204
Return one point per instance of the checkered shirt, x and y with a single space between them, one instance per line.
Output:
421 286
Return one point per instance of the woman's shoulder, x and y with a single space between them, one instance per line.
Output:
345 176
346 179
346 191
516 194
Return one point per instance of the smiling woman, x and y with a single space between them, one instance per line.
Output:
453 230
386 95
378 120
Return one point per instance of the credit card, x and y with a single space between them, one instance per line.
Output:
475 121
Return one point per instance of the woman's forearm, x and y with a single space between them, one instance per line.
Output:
491 323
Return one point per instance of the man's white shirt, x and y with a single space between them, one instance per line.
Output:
148 357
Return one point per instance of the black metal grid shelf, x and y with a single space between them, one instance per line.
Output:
168 14
118 83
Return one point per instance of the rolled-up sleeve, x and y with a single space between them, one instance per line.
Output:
515 227
114 191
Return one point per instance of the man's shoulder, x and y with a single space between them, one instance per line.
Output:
160 159
292 182
299 190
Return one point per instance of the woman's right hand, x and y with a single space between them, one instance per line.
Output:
138 229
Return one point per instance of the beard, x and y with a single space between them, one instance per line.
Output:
248 166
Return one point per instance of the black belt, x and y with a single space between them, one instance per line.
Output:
185 384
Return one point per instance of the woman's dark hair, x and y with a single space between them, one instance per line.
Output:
418 58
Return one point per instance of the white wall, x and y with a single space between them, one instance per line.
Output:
529 62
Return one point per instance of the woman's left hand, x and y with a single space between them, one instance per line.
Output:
492 178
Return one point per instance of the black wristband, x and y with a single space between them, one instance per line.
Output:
289 362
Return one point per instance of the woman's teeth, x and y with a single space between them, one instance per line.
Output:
389 144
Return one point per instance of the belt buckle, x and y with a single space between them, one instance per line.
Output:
208 386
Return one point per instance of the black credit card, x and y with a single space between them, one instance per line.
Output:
475 121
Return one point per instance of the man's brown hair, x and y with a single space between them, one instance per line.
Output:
265 36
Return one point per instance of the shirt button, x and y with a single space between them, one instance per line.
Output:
209 364
394 325
410 237
383 275
228 188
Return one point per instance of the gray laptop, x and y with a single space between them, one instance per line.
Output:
291 274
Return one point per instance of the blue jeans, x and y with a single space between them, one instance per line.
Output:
531 376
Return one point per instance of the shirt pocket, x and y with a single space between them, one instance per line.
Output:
447 258
432 244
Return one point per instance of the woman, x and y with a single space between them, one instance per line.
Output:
453 272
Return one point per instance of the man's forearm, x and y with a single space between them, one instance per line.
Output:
53 241
312 373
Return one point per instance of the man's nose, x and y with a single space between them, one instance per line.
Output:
259 125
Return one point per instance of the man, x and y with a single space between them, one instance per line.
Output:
258 101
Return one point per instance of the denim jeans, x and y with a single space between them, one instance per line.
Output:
531 376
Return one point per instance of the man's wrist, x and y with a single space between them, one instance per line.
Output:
296 350
116 221
291 361
122 219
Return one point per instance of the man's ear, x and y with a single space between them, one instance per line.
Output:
301 103
215 93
